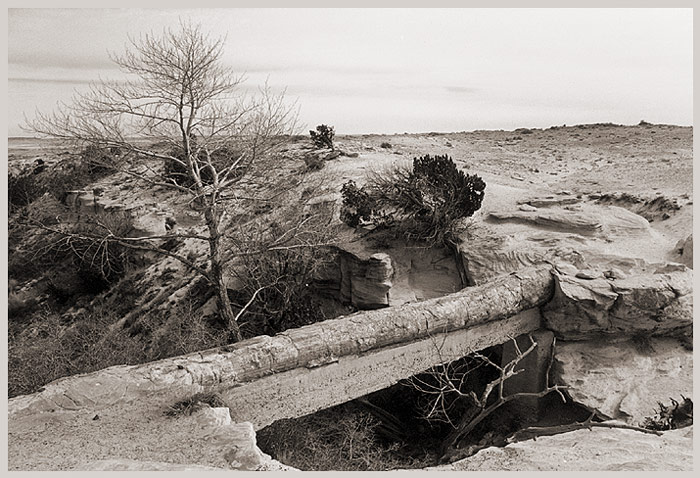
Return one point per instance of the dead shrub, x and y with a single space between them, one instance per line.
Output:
341 438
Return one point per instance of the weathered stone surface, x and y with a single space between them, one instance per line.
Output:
365 282
625 380
377 277
487 254
684 248
421 274
599 449
650 303
229 445
492 249
609 221
308 346
118 464
236 441
559 219
550 201
527 208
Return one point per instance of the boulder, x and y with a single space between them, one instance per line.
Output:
598 449
625 380
657 303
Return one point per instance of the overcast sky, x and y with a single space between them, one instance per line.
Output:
395 70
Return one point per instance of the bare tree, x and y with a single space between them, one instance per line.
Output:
182 107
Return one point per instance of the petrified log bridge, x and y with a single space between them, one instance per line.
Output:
313 367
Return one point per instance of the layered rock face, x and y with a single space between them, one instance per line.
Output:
685 251
590 303
625 379
598 449
371 280
558 230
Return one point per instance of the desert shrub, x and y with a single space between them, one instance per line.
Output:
385 145
50 348
341 438
90 247
280 254
285 296
185 330
323 136
196 402
22 189
17 305
671 417
314 163
358 205
99 161
425 202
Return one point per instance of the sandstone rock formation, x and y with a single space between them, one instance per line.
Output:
599 449
369 279
625 379
657 303
684 248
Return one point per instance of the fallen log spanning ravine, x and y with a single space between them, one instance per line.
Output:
341 354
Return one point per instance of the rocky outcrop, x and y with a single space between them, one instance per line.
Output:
358 278
550 201
368 279
684 249
570 221
581 235
598 449
654 303
365 283
625 380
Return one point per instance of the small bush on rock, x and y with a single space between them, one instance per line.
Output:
358 205
425 201
323 136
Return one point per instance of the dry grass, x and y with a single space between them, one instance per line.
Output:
195 403
342 438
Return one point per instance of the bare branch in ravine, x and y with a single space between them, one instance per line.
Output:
445 387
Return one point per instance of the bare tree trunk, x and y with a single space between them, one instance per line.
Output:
217 276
